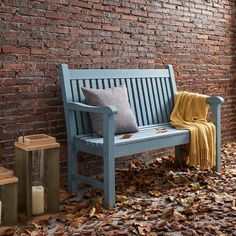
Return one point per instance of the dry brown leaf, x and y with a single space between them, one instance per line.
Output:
178 216
161 224
143 230
188 211
76 223
92 212
60 231
126 136
131 189
168 213
218 199
5 230
155 193
135 164
161 130
121 199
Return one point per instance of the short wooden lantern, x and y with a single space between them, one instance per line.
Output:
37 168
8 197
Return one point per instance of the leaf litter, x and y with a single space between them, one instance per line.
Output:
155 198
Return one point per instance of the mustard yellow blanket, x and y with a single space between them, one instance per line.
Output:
190 112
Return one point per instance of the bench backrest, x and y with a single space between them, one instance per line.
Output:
151 91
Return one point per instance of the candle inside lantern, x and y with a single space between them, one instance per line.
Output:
37 200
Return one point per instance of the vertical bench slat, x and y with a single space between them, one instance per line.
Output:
147 101
75 97
165 98
85 116
93 83
156 100
152 102
99 84
172 79
117 82
86 83
136 102
106 83
161 100
112 84
170 94
127 83
141 101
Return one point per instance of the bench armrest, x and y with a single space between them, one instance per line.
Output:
215 103
109 110
108 124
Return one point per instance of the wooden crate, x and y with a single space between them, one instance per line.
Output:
36 142
8 196
50 163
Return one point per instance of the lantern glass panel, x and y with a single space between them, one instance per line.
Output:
39 202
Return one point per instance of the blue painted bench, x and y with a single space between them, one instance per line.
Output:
151 96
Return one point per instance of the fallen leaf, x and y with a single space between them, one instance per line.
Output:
92 212
37 226
161 130
121 199
178 216
188 211
131 189
143 230
218 199
126 136
161 224
155 193
168 213
135 164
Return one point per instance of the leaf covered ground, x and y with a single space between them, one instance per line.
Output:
157 198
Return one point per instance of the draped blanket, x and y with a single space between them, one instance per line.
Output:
190 112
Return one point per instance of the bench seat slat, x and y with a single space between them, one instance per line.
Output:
145 135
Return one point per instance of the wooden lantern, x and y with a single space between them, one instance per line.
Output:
8 197
43 197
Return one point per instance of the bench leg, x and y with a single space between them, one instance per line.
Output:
72 170
177 154
180 153
109 181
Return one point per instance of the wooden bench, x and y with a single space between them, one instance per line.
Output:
151 96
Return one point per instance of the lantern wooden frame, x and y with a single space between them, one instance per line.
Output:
8 196
23 170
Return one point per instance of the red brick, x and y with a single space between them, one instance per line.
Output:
202 36
14 66
129 17
81 4
15 50
39 51
56 15
111 28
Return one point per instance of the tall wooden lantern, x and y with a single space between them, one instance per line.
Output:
37 168
8 197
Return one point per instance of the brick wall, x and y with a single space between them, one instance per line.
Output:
196 36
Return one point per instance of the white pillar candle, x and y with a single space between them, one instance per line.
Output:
0 212
37 200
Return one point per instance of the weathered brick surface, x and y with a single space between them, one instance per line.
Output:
197 36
